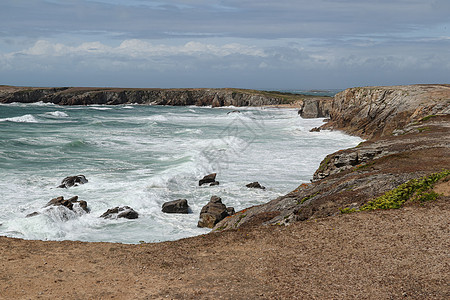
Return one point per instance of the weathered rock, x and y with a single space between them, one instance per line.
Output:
207 179
115 96
214 212
255 185
377 111
315 129
33 214
73 181
179 206
120 212
315 108
60 201
408 128
214 183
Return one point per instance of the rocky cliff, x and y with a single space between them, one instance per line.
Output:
177 97
408 132
379 111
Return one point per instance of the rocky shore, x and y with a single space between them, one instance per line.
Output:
408 132
331 249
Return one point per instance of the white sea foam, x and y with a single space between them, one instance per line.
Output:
58 114
22 119
131 161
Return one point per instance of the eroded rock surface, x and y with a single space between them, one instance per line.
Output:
214 212
409 137
73 181
179 206
120 212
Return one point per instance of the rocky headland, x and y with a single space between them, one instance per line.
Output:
176 97
332 248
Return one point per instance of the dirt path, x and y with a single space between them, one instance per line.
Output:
372 255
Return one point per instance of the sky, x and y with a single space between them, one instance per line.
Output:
258 44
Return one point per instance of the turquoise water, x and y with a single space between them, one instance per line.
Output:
143 156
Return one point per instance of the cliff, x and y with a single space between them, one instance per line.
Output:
176 97
408 132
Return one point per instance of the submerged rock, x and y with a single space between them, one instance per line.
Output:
60 201
213 212
120 212
33 214
179 206
211 178
73 181
255 185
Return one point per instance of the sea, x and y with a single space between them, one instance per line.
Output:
142 156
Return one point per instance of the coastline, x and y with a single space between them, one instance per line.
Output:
249 260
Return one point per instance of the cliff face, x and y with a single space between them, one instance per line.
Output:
176 97
379 111
408 128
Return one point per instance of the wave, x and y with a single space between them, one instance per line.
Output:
21 119
58 114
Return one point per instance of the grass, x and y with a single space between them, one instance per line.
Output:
414 189
304 199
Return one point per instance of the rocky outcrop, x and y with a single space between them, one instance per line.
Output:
73 181
120 212
408 129
255 185
177 97
69 203
179 206
381 111
210 178
214 212
318 107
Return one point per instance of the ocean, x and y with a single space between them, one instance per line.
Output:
142 156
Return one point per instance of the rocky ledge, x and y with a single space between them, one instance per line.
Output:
408 132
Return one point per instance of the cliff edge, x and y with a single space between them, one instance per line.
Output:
408 132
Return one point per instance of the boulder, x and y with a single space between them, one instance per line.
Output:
60 201
213 212
179 206
120 212
255 185
73 181
214 183
211 178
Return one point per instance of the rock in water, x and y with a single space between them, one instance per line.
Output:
60 201
213 212
179 206
255 185
73 181
211 178
120 212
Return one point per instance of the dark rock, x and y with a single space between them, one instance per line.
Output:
214 183
255 185
120 212
234 112
73 181
179 206
315 129
32 214
60 201
207 179
213 212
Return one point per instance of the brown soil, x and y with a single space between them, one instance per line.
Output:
371 255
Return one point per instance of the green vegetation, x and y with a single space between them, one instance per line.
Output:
307 198
324 163
347 210
422 129
427 118
414 189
